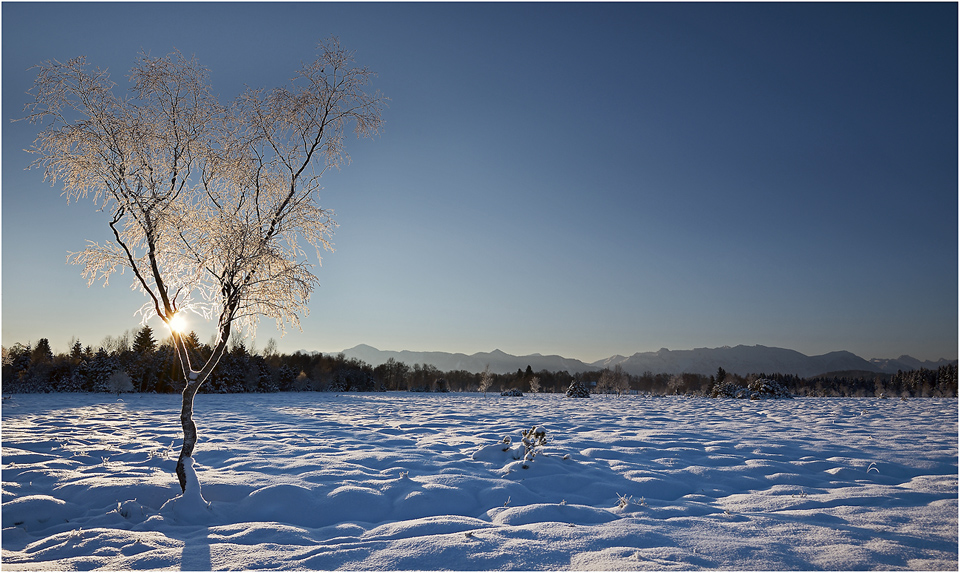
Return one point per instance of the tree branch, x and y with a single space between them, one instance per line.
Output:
132 260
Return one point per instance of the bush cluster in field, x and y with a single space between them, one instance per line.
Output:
758 389
137 362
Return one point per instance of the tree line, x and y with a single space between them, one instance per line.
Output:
138 362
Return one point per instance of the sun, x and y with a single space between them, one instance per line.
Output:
178 323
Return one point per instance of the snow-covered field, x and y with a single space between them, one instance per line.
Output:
420 481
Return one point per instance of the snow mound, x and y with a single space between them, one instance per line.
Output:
501 453
282 503
131 510
36 512
188 508
400 481
355 503
434 525
550 513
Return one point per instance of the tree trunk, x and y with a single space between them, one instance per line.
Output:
194 381
189 428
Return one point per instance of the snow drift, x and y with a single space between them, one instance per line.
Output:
428 482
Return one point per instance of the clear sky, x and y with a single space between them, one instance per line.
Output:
574 179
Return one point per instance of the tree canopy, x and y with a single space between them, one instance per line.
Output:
212 205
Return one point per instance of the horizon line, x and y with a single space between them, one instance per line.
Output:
902 355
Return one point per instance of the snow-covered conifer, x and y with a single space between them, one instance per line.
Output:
144 342
763 388
577 390
98 371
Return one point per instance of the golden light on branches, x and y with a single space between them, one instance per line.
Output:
214 207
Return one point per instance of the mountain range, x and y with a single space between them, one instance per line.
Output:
736 359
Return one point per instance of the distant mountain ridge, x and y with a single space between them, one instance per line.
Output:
499 361
737 360
906 363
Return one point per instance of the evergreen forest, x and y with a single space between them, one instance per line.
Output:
138 362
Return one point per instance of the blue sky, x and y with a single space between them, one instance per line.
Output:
574 179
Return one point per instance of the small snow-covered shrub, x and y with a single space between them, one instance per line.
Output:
533 441
509 452
511 392
534 437
577 390
763 388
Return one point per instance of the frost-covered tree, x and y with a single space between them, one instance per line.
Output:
535 384
211 205
119 382
486 380
619 380
605 382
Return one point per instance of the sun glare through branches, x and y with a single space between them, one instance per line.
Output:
178 323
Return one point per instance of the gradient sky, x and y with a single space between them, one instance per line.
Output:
574 179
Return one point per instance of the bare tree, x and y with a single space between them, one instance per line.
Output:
486 380
604 383
211 205
613 381
621 381
535 384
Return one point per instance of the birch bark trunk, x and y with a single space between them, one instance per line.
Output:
194 381
189 429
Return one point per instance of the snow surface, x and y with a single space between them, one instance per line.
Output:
419 481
